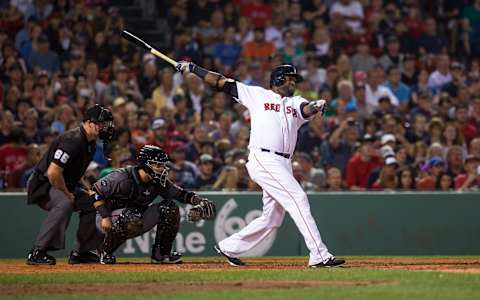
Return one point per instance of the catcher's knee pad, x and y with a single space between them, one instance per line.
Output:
167 226
129 223
169 213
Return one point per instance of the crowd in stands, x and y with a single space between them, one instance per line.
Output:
402 79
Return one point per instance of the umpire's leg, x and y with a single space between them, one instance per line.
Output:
88 236
52 231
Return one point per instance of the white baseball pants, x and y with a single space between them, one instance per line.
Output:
281 192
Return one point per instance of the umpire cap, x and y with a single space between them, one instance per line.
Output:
277 77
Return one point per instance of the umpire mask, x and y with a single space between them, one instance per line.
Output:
102 117
154 161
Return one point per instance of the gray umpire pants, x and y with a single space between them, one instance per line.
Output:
51 235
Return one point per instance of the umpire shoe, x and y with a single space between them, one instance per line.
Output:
107 258
40 257
330 263
172 258
234 261
88 257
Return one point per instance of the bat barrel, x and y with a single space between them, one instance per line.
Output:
141 43
135 39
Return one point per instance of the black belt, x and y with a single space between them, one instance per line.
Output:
285 155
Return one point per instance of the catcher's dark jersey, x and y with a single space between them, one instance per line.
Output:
73 152
123 188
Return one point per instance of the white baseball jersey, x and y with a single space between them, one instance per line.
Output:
274 124
275 120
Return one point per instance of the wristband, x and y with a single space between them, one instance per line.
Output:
104 211
199 71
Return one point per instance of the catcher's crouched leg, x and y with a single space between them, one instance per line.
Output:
167 229
129 224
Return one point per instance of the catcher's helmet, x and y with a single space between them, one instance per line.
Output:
100 115
277 77
150 156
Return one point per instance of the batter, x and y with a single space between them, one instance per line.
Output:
276 115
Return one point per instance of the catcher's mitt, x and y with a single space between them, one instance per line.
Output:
205 210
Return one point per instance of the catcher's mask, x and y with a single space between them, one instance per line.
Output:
154 161
102 117
277 77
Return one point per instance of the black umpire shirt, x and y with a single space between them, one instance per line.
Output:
71 151
123 188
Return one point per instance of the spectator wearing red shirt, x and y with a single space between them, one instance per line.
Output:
361 164
414 23
434 167
258 12
471 178
13 159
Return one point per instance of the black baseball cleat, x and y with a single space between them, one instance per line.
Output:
330 263
107 258
233 261
40 257
172 258
88 257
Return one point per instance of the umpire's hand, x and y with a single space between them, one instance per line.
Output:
106 224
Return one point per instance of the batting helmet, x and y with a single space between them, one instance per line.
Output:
100 115
149 157
277 77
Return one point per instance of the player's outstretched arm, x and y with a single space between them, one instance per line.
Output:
319 106
215 80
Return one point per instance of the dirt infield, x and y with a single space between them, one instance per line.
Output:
461 265
457 265
171 287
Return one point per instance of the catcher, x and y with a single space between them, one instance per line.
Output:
123 200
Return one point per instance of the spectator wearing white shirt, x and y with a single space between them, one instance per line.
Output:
320 46
374 90
363 60
351 11
273 33
441 76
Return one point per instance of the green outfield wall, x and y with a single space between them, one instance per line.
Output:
350 224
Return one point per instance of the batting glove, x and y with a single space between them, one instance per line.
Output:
184 66
321 106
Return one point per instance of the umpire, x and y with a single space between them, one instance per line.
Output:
54 186
124 199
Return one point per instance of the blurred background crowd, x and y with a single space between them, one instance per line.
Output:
402 79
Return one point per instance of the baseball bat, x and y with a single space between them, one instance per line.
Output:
142 44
